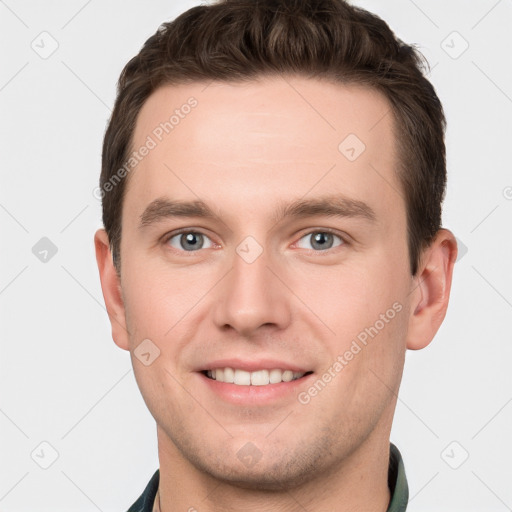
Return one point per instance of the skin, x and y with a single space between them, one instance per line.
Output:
243 149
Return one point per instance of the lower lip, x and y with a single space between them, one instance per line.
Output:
255 395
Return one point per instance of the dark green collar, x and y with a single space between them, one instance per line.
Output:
396 481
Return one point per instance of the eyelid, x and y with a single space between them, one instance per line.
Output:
180 231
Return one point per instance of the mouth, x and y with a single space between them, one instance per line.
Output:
261 377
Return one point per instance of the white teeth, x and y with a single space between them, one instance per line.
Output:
260 378
275 376
229 375
257 378
287 376
242 378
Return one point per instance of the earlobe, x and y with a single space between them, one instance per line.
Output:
433 283
111 289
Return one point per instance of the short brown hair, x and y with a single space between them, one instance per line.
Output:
240 40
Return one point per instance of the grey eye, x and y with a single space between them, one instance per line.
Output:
190 241
320 240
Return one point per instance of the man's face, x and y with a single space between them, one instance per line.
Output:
251 290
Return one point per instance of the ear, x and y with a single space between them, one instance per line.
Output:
111 288
431 291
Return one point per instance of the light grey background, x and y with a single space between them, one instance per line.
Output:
63 380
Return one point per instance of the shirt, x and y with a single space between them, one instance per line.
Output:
397 483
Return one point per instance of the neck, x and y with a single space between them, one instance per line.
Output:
358 483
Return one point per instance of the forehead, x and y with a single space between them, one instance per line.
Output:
284 135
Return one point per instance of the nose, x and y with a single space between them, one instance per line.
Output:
252 297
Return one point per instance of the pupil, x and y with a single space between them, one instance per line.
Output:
322 239
191 240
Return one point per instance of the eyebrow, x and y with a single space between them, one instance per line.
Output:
329 206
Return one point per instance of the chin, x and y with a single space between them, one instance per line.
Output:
272 470
268 477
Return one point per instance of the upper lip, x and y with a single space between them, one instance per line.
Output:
253 365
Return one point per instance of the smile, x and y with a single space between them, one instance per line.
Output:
261 377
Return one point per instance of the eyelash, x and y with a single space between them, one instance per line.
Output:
343 238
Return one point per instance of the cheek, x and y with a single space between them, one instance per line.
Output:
366 312
161 393
159 298
349 300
